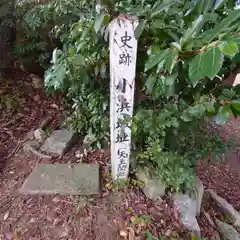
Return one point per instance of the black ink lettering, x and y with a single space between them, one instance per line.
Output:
120 174
124 105
121 124
121 137
122 85
125 58
121 153
125 39
122 167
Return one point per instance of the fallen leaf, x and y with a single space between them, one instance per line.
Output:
168 233
37 82
129 210
54 105
123 234
133 219
85 152
37 98
108 186
56 199
131 235
9 236
105 194
5 217
78 154
175 213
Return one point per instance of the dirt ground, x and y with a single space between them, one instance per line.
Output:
125 214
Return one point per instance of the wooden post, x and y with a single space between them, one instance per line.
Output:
123 54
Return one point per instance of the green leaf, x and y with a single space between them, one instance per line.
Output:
159 7
236 105
103 70
170 90
193 30
55 55
176 45
229 48
106 19
155 58
209 107
169 80
208 4
228 93
159 24
54 77
223 114
98 21
78 60
140 28
160 66
150 83
226 22
171 60
195 72
71 51
186 117
212 61
219 4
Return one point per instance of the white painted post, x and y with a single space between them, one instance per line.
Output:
123 54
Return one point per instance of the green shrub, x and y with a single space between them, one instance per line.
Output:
185 48
7 33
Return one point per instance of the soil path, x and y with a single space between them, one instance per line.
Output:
105 217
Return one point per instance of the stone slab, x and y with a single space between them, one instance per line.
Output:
228 231
65 179
187 207
59 142
225 207
154 188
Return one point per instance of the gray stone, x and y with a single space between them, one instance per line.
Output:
199 190
76 179
228 231
187 208
226 208
39 135
134 159
198 194
153 188
27 147
31 147
59 142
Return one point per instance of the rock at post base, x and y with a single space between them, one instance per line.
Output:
65 179
59 141
39 135
187 208
197 194
199 191
153 188
229 232
226 208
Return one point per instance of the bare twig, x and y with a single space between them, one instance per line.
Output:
16 149
211 222
45 122
39 154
